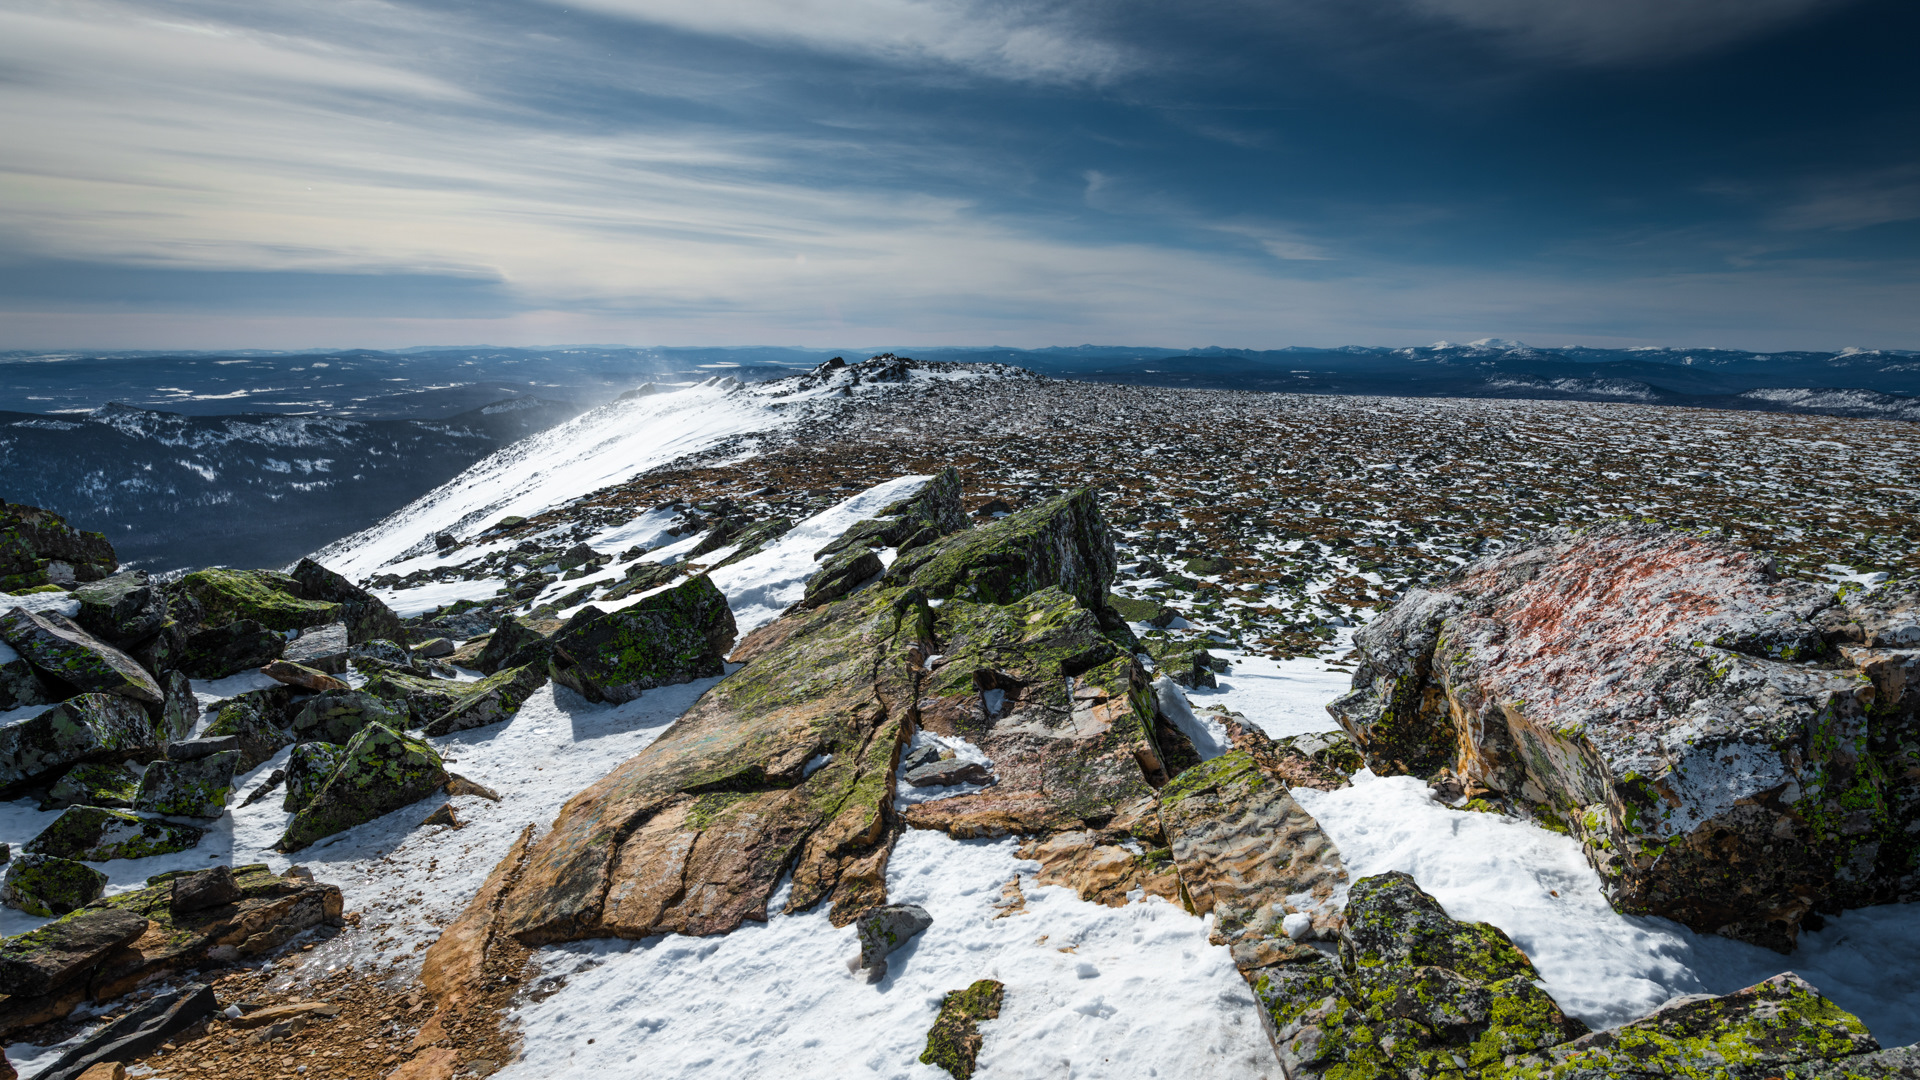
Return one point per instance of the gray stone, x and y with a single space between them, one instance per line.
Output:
381 771
309 766
203 889
61 953
265 787
246 718
366 615
90 726
94 784
123 608
216 652
195 749
196 789
491 700
323 648
138 1033
885 929
47 886
20 684
96 834
948 773
434 648
926 754
180 713
62 651
336 716
842 574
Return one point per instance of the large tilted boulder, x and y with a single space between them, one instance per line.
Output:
70 656
216 652
46 885
94 784
268 597
518 641
335 716
425 698
1734 749
253 719
380 771
673 636
89 727
124 608
38 547
367 617
789 762
96 834
20 682
179 714
196 789
493 699
309 766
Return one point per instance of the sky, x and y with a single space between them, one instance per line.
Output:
1243 173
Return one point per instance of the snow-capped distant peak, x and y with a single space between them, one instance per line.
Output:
1497 343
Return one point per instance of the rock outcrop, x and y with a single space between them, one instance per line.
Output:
123 608
1734 749
366 616
673 636
38 547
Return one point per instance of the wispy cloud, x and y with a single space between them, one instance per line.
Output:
1876 197
1620 31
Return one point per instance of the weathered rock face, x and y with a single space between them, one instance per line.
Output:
99 727
123 608
338 715
491 700
1414 994
62 651
1732 748
519 641
323 648
250 718
96 834
1252 857
380 771
367 617
915 521
38 547
425 699
268 597
181 710
93 784
20 683
228 649
674 636
47 886
692 835
197 789
309 766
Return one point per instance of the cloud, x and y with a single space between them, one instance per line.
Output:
1879 197
1610 32
1036 41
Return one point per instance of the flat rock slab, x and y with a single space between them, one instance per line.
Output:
1689 714
323 648
61 650
306 678
949 773
89 726
64 951
136 1034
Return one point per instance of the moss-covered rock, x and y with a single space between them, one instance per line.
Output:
425 698
46 885
914 521
215 652
96 727
179 714
38 547
20 683
124 608
196 789
673 636
381 771
844 572
491 700
953 1042
1063 543
68 655
309 766
268 597
94 784
96 834
336 716
519 641
252 719
367 616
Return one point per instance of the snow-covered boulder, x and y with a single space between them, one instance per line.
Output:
1734 749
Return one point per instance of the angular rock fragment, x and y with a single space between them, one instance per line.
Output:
216 652
249 718
1248 853
434 648
1676 704
306 678
196 789
948 773
64 952
674 636
953 1042
338 715
915 521
137 1034
309 766
38 547
65 653
516 642
20 683
94 784
425 699
47 886
87 727
268 597
96 834
491 700
381 654
123 608
460 785
883 930
204 889
206 746
842 574
180 713
366 615
380 771
322 648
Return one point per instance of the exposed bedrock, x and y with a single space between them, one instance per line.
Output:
1734 749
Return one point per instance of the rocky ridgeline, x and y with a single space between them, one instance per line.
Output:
1002 635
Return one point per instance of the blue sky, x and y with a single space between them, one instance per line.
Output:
1740 173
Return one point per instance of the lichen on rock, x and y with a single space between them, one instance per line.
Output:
47 885
197 789
954 1040
96 834
673 636
380 771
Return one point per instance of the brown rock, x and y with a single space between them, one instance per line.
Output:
433 1063
292 674
460 785
64 951
204 889
452 966
106 1070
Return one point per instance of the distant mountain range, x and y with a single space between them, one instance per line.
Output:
434 383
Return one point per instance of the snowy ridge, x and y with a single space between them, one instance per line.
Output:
1868 403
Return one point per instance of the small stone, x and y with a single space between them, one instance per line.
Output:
948 773
265 788
434 648
444 816
885 929
926 754
460 785
953 1043
206 746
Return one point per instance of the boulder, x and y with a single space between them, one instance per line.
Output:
953 1042
38 547
196 789
123 608
204 889
309 766
434 648
98 727
180 712
268 597
96 834
1249 855
366 615
425 699
96 783
338 715
322 648
229 648
381 654
47 886
206 746
642 576
517 642
673 636
491 700
842 574
265 787
290 674
1733 749
64 952
381 771
1414 993
249 718
161 652
63 652
20 683
885 929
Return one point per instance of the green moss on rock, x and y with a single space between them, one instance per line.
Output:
381 771
46 885
268 597
96 834
953 1042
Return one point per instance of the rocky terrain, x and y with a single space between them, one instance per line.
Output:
936 720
